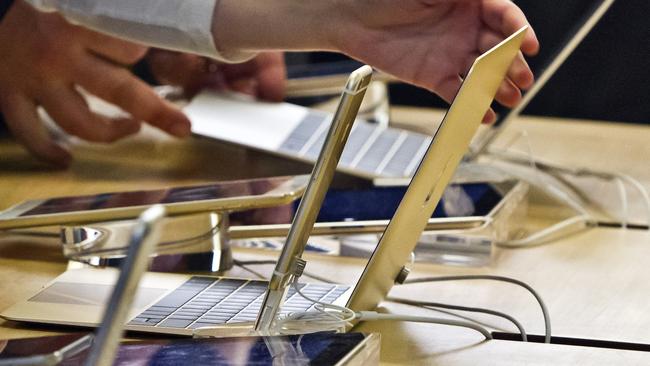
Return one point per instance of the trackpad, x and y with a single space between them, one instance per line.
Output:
91 294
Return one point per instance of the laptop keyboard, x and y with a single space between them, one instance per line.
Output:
371 148
207 301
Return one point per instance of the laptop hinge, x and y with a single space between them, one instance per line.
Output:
402 275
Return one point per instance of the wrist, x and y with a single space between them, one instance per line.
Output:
251 26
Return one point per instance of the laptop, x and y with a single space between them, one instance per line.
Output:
374 151
179 304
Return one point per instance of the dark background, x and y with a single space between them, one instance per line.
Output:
607 78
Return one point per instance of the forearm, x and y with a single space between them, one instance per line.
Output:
230 30
253 25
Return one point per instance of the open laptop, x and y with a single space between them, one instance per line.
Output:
296 132
373 150
179 304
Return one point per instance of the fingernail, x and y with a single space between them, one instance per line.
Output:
58 157
180 130
490 117
526 79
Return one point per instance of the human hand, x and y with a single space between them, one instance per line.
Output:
45 60
433 43
263 77
429 43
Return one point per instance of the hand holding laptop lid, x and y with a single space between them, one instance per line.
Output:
428 43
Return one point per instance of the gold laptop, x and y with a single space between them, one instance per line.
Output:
178 304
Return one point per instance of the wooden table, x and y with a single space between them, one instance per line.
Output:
595 283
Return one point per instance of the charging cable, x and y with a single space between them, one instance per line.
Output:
437 305
329 317
566 227
583 220
540 301
521 158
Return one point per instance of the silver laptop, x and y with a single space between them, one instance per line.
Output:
178 304
296 132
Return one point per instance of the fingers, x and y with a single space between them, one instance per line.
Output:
241 77
506 18
188 71
114 49
508 94
490 117
448 89
271 77
519 73
264 76
244 86
26 126
70 111
117 86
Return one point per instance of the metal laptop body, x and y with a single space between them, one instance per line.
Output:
196 294
450 143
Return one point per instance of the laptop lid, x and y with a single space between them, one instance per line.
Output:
445 152
549 67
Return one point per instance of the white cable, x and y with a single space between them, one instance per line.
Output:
373 315
537 238
538 182
437 305
542 236
584 219
558 193
644 193
624 206
540 301
337 319
329 317
511 156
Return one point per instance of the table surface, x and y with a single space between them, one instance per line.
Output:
593 282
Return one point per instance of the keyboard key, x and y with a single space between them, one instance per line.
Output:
155 313
303 132
404 155
139 321
177 298
216 319
176 323
378 151
358 137
203 324
185 317
189 312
